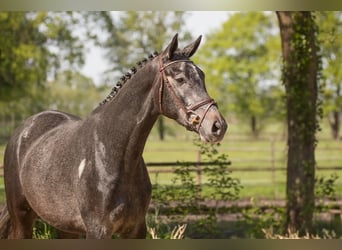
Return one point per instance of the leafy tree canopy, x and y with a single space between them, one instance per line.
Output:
33 46
130 36
242 60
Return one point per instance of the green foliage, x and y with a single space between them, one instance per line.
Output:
241 61
184 197
184 192
23 56
33 45
326 187
131 36
301 77
34 48
70 92
42 230
258 218
301 81
223 186
74 93
330 26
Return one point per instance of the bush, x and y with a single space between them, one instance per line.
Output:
185 196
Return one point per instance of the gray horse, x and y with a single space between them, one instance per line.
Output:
88 177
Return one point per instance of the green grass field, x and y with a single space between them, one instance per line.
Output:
269 150
247 153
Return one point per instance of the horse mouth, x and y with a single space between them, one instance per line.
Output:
210 139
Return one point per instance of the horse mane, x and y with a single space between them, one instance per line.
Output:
124 78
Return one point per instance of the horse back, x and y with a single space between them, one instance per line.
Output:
30 131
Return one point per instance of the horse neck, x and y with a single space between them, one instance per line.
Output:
124 123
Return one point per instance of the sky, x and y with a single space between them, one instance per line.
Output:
199 23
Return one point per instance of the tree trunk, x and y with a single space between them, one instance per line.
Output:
334 122
300 76
254 126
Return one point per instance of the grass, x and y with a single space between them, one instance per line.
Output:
247 152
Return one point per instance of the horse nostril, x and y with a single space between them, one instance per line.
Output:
216 128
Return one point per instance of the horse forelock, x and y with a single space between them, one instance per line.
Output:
128 75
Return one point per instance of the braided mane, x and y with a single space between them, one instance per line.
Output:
126 77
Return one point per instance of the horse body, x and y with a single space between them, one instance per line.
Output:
31 143
90 162
88 176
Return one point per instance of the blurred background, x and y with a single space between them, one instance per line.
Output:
69 61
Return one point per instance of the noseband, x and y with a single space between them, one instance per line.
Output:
195 123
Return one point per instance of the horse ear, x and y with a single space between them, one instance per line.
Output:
172 47
192 47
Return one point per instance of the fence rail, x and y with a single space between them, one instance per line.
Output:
169 167
172 165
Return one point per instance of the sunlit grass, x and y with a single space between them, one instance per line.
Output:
269 152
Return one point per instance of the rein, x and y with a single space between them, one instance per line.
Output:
196 122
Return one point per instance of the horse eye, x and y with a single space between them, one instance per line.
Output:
180 80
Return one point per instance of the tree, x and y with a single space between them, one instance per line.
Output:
330 25
243 61
131 36
301 68
23 58
34 45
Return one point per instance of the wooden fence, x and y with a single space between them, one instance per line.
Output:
169 167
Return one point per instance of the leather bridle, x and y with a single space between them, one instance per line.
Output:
196 121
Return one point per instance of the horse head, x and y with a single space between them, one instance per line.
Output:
183 95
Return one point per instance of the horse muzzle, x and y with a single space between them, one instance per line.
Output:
213 126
